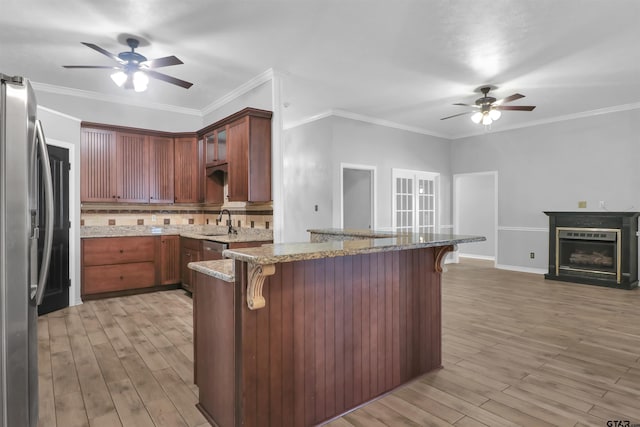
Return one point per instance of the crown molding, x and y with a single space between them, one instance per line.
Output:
58 113
362 118
258 80
61 90
581 115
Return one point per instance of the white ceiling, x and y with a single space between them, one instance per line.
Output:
403 61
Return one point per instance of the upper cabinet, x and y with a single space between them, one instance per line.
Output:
114 166
161 166
132 166
137 166
98 165
187 170
245 140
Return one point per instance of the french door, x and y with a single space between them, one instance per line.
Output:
415 201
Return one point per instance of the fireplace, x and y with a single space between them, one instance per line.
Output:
597 248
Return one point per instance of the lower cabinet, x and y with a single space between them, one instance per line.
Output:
117 264
190 251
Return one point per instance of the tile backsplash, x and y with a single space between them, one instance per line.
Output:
103 215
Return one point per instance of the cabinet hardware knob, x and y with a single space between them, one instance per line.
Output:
121 277
121 251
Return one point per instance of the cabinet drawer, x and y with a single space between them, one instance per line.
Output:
108 278
117 250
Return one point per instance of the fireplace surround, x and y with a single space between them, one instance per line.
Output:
596 248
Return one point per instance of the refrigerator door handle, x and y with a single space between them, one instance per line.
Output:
48 200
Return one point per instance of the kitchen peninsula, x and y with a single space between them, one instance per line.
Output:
297 334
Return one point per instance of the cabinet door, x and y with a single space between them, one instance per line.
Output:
97 166
161 170
133 167
237 150
186 170
169 260
187 275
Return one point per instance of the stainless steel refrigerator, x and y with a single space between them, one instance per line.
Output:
24 175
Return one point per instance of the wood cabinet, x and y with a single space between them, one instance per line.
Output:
130 165
161 167
117 263
97 165
188 170
190 251
247 168
125 264
114 166
169 260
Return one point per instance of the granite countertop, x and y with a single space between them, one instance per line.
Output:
222 269
204 232
288 252
353 232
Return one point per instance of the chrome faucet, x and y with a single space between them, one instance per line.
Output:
231 229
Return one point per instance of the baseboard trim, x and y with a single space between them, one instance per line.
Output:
483 257
521 269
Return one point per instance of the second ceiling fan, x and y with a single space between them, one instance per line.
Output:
487 108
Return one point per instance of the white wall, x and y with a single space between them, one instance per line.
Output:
307 178
474 212
551 167
258 97
314 152
98 111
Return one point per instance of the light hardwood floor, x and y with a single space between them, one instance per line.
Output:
517 350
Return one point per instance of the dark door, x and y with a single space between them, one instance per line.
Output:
56 294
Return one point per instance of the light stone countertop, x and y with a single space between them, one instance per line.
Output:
222 269
288 252
203 232
352 232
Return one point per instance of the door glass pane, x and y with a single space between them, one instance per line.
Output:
222 145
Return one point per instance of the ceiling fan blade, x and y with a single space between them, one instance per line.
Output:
515 107
456 115
104 52
467 105
162 62
92 66
508 99
168 79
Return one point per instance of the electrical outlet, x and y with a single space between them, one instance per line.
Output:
601 204
532 255
582 204
153 218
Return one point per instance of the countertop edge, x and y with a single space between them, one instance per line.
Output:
241 255
222 269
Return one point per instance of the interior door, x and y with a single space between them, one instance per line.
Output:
56 294
357 198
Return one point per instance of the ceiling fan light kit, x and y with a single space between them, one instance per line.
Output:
135 69
489 107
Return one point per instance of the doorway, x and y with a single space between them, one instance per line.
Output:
475 211
415 201
56 293
358 196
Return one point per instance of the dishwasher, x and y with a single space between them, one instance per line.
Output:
212 250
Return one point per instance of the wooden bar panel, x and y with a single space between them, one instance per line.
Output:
334 334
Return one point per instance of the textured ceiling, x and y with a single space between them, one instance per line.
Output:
405 62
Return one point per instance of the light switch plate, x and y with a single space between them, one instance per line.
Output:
582 204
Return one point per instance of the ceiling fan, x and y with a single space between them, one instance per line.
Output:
135 69
488 109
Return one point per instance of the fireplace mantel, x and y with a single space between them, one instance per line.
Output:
623 253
